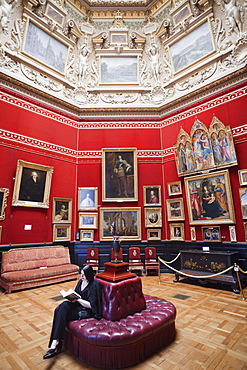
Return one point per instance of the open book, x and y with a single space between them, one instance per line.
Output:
71 295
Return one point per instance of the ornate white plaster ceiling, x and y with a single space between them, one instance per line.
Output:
117 3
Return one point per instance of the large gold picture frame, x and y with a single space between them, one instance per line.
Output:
123 222
32 185
4 192
119 175
61 232
152 195
209 199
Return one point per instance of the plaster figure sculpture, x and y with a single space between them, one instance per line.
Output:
83 62
154 58
5 11
233 14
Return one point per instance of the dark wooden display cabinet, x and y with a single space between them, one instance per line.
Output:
198 262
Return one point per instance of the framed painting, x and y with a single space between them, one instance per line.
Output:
123 222
174 188
32 185
153 217
211 234
175 209
243 201
154 234
88 220
192 47
1 230
4 192
119 69
86 235
152 195
119 175
245 231
40 46
193 233
54 14
62 210
61 232
177 231
209 199
88 199
232 233
242 174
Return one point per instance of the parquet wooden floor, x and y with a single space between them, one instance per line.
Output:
211 328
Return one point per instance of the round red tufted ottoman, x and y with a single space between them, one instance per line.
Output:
118 344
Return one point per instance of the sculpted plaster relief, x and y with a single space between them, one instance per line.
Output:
234 15
83 66
153 54
5 11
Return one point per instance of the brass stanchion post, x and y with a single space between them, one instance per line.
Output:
236 269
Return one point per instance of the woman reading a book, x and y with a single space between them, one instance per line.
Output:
88 304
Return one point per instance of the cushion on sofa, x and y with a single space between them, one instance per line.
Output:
32 258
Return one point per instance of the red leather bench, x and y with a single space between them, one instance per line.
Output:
133 327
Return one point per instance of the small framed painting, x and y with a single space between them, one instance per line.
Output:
233 235
154 234
211 234
61 232
177 231
153 217
62 210
243 201
88 199
4 192
88 220
245 231
175 209
86 235
242 174
193 234
152 195
174 188
1 229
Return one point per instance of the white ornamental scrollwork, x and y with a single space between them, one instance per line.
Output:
40 79
222 43
197 78
119 98
238 56
8 63
16 36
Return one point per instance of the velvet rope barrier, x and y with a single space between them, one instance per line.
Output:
235 267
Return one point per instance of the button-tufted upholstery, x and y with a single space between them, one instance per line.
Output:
123 337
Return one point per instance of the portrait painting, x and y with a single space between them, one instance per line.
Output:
211 234
243 201
88 220
209 199
175 209
61 232
32 185
152 195
4 192
174 188
86 235
44 48
88 199
153 234
193 233
62 210
232 233
177 231
153 217
242 174
119 175
122 222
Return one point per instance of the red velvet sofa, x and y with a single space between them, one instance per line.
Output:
31 267
133 326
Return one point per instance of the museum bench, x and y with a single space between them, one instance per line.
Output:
23 268
133 326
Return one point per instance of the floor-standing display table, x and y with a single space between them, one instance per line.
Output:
200 263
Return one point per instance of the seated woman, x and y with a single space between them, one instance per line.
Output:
89 305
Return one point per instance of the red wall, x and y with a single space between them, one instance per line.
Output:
153 140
